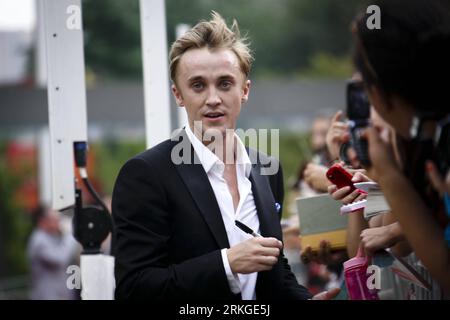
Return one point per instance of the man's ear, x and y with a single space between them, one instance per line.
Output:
177 95
246 90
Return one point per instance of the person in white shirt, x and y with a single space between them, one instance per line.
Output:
50 251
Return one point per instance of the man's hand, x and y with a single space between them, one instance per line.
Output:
327 295
254 255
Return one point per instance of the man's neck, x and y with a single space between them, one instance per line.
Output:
224 149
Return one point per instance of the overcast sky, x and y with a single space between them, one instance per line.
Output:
17 15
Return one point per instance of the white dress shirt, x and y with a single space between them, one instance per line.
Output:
245 212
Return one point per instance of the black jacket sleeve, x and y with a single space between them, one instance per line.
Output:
141 215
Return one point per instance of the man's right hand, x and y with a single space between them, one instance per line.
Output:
254 255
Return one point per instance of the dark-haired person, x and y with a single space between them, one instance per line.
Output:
400 64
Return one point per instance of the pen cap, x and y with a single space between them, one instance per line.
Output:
360 260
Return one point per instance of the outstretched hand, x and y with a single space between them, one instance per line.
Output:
322 256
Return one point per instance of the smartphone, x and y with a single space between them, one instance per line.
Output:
358 114
340 177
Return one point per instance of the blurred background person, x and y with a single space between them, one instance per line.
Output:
50 252
311 180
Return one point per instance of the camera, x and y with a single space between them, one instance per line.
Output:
358 114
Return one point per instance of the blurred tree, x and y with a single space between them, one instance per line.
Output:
112 37
316 27
112 155
14 222
325 65
287 36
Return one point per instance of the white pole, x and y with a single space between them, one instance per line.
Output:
155 64
97 277
68 124
66 91
44 172
40 49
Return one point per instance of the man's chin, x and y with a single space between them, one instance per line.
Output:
209 129
222 128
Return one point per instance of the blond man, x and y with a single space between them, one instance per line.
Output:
176 236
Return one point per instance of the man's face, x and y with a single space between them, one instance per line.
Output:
212 88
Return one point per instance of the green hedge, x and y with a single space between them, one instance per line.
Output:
15 224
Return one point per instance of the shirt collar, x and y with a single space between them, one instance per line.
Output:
209 160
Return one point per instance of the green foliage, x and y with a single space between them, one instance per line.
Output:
324 65
112 37
287 36
295 150
111 155
15 224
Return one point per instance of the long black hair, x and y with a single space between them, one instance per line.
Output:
409 56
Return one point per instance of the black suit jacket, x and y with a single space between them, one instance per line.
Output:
169 231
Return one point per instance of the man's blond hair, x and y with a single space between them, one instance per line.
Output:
213 34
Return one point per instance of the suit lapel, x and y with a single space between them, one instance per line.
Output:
265 203
197 182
